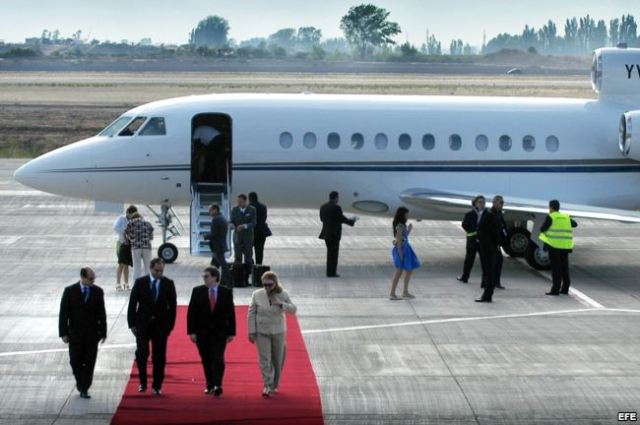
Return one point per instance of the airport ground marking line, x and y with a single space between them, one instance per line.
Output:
61 350
449 320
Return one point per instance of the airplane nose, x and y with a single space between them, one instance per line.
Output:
64 171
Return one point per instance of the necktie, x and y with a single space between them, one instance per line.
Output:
154 290
212 299
85 294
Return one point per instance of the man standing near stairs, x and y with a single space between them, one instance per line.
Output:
218 243
243 220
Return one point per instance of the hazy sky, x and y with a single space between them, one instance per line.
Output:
170 21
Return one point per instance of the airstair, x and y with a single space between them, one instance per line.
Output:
202 196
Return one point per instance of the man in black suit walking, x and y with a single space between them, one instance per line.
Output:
489 238
332 218
218 243
151 317
211 324
82 324
261 231
470 225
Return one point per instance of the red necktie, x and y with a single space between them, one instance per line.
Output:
212 299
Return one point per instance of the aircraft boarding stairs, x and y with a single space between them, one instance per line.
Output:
203 195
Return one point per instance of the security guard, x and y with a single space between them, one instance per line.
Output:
557 235
470 225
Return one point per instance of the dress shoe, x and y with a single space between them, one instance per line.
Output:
565 292
460 279
552 293
266 392
217 391
483 300
157 391
84 394
333 275
500 287
208 390
142 388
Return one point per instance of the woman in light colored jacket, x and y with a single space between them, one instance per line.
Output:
268 329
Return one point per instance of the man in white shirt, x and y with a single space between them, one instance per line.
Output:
123 248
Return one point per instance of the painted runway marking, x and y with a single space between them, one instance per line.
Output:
61 350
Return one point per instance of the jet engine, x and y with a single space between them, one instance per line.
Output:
615 74
629 138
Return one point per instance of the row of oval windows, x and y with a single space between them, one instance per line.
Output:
381 141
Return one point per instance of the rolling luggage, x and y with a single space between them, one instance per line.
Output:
256 274
238 274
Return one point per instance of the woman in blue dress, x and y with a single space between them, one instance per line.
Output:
404 258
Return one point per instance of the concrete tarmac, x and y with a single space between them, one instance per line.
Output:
439 359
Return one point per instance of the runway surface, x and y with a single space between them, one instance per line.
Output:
441 358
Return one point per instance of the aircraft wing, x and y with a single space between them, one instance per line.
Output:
450 202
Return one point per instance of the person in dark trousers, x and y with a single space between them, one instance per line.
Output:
243 219
82 323
488 244
211 325
496 210
470 226
261 231
218 243
332 218
557 234
151 317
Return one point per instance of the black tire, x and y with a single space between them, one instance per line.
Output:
168 252
517 242
537 257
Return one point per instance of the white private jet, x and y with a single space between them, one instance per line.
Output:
429 152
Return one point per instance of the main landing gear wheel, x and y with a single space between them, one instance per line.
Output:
517 242
537 257
168 252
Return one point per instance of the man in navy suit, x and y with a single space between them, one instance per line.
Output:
82 324
151 317
211 324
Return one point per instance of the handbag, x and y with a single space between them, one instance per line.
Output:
267 231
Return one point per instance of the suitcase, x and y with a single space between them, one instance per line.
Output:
237 273
256 274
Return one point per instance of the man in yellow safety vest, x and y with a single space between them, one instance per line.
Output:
557 235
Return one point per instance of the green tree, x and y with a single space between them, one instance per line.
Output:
211 31
367 26
284 38
309 37
614 31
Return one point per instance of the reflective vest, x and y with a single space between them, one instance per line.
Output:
560 234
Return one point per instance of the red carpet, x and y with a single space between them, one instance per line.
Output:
183 401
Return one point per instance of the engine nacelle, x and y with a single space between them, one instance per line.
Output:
616 73
629 138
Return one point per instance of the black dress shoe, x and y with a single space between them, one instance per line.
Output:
483 300
208 390
500 287
333 275
552 293
142 388
217 391
84 394
157 391
565 292
460 279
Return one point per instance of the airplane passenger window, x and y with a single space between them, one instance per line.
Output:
115 127
552 143
505 143
381 141
154 127
357 141
528 143
133 126
404 141
309 140
333 140
428 142
286 140
482 142
455 142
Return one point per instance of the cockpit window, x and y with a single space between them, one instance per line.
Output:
133 126
115 127
154 127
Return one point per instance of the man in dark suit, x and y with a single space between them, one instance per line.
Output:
82 324
332 218
496 210
261 231
211 324
489 242
151 317
243 219
218 243
470 226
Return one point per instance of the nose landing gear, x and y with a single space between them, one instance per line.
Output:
171 227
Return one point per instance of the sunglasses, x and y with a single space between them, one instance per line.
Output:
268 284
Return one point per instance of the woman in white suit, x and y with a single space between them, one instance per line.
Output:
268 329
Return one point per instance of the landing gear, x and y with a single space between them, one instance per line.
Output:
517 241
171 227
537 257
